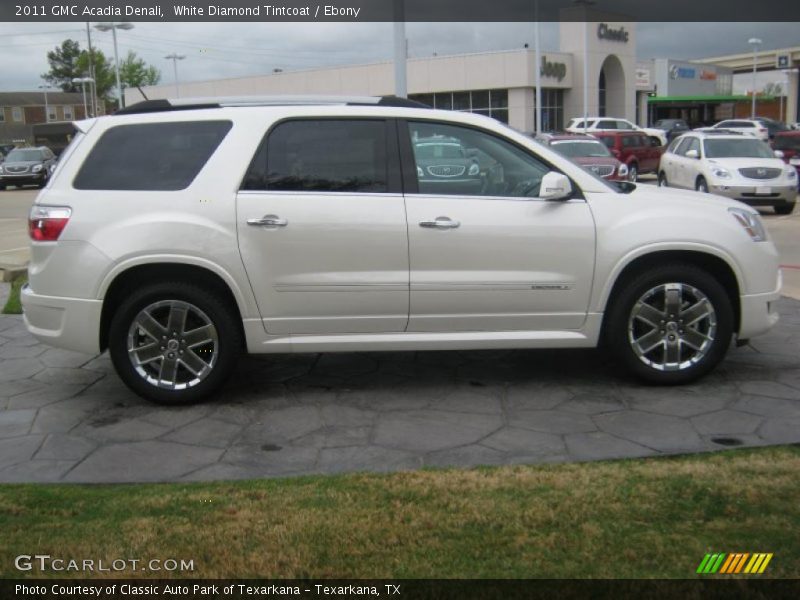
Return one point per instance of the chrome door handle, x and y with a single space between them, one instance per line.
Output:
268 221
440 223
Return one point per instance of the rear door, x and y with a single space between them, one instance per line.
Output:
322 228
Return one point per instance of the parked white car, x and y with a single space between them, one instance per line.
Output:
177 234
732 165
611 124
749 127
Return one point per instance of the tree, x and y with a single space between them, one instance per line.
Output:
64 66
773 89
133 72
103 72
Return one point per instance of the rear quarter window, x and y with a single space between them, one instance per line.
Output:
150 156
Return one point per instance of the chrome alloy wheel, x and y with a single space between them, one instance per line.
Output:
172 344
672 327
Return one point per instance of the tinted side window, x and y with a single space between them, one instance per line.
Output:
463 161
325 155
150 156
607 140
674 145
607 125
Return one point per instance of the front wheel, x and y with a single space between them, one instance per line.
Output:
701 185
174 343
662 180
633 172
670 325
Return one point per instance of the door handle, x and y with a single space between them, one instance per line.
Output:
268 221
440 223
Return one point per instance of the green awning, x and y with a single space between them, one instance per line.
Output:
657 99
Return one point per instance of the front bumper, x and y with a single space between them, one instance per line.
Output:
70 323
24 178
759 314
757 195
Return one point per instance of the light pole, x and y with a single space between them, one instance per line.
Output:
82 81
46 106
175 58
755 43
113 28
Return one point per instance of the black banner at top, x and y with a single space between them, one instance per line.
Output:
396 10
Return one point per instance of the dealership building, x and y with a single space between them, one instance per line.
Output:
503 84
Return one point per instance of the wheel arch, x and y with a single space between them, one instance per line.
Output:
719 267
117 285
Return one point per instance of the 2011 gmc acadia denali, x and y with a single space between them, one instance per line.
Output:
177 234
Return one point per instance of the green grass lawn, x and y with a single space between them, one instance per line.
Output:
637 518
13 305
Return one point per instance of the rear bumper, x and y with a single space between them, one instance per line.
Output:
759 314
70 323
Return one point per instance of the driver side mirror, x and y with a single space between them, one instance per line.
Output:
555 186
692 154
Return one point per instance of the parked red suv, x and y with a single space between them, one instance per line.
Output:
588 152
634 149
788 142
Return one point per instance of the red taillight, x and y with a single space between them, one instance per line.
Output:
45 223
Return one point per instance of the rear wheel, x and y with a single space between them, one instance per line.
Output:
670 325
174 343
662 180
701 185
784 209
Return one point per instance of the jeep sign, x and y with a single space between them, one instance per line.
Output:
553 69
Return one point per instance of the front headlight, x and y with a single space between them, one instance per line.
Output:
36 168
751 221
720 173
623 170
791 173
474 169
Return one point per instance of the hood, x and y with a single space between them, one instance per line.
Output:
680 198
22 163
743 163
596 160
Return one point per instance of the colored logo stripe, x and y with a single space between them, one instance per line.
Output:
734 563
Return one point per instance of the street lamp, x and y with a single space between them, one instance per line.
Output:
175 58
46 106
755 43
82 81
113 28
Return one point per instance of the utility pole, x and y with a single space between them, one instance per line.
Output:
400 50
93 85
175 58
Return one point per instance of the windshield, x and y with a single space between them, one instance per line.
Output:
581 148
737 148
24 155
439 151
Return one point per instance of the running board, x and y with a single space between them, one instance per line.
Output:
259 343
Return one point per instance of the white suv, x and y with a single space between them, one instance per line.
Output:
177 234
749 127
730 164
610 124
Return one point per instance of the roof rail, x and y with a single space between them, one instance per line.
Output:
171 104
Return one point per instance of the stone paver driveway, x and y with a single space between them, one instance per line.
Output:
67 417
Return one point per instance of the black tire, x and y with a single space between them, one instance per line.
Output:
633 172
624 334
207 308
784 209
662 180
701 185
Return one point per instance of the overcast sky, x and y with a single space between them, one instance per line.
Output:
219 50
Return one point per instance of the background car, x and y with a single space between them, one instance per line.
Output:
588 152
636 150
788 142
27 166
594 124
730 164
746 126
444 161
672 127
773 127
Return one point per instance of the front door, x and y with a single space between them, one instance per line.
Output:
485 253
322 228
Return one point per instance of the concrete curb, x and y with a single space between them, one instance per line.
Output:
9 273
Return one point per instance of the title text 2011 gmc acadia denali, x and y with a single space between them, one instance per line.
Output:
177 234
